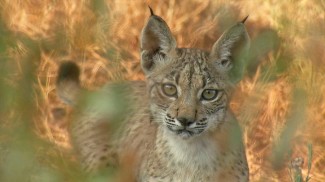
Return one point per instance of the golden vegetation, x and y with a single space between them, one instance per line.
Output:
280 104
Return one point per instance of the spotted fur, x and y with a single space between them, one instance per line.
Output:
183 137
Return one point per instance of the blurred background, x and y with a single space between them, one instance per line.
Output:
280 103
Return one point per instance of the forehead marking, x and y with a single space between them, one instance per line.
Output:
193 67
191 64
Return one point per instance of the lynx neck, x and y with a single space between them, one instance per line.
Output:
197 152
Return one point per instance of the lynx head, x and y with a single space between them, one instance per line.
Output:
190 88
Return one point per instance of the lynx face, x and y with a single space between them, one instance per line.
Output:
189 95
189 88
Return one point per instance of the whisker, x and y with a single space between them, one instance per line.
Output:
171 123
199 127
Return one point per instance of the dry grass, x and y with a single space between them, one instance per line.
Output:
281 103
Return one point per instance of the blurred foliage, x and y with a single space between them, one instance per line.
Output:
296 118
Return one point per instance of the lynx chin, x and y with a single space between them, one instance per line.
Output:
177 124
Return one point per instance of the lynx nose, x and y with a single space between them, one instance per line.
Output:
185 121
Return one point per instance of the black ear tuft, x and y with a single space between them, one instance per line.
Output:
151 11
244 20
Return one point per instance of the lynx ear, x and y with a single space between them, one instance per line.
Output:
229 52
157 42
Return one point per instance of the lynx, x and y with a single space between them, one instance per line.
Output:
177 124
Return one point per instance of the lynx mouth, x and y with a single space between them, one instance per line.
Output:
184 132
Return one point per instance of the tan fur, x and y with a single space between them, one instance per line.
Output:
208 147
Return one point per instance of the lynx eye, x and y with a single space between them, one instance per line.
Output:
209 94
169 90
